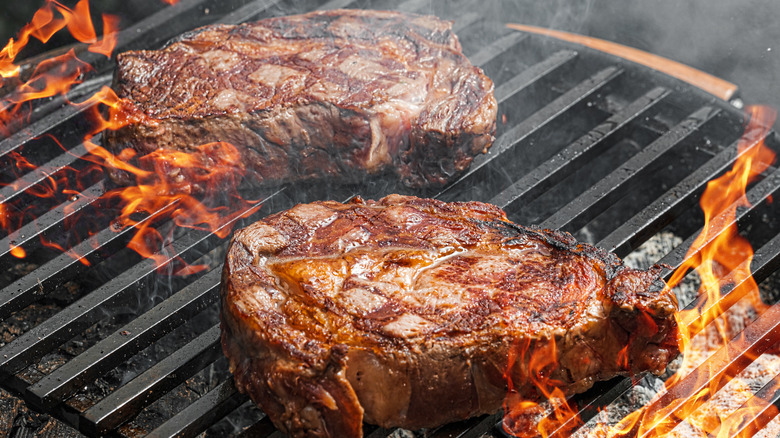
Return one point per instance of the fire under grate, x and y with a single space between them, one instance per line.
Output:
610 151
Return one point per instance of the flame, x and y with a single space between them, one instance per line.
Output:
534 363
189 189
736 424
716 252
721 257
156 191
57 75
166 182
52 187
210 170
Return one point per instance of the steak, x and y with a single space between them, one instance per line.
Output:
338 94
404 312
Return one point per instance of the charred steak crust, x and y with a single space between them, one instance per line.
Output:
403 312
341 93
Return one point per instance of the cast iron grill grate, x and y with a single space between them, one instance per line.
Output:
610 151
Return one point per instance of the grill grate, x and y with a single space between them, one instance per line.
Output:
607 150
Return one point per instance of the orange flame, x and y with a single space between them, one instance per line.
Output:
53 76
217 168
52 186
717 251
213 168
155 192
164 179
535 363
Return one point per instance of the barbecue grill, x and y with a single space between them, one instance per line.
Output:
609 150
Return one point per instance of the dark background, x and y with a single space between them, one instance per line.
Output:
737 40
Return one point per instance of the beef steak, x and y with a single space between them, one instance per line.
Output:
404 311
343 93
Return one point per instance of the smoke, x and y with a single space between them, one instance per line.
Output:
737 41
568 15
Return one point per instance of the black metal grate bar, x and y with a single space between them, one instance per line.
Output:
133 337
379 432
721 367
591 406
50 275
265 429
248 12
56 118
487 53
497 47
36 129
471 428
40 175
126 401
464 21
78 91
756 195
533 74
412 5
33 344
454 11
198 416
29 234
660 212
598 196
540 118
554 170
149 32
766 260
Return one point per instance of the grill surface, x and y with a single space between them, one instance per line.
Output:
610 151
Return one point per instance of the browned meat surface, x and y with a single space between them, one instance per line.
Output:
341 93
403 312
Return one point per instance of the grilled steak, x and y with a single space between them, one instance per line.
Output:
342 93
403 312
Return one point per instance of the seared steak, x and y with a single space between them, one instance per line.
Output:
341 93
403 312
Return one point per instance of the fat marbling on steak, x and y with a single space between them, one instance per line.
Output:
339 94
403 312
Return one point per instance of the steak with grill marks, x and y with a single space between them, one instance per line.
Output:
337 94
404 311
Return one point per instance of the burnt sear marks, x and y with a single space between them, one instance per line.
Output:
414 291
339 94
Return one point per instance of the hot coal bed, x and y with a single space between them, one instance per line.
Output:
615 153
